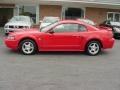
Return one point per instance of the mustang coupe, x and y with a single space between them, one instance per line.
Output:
67 35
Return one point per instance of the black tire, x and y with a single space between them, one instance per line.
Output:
116 37
98 48
21 46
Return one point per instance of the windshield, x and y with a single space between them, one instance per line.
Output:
115 23
50 19
20 18
88 22
45 29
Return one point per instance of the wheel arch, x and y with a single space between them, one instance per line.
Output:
33 39
94 39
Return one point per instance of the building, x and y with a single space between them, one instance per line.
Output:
96 10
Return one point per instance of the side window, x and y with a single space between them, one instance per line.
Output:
82 28
66 28
59 28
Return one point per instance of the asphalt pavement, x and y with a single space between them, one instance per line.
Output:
59 70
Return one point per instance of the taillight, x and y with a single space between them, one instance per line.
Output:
110 33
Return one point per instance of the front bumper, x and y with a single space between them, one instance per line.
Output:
12 44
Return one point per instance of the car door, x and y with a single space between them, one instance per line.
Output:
63 37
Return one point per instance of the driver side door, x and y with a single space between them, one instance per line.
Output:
63 37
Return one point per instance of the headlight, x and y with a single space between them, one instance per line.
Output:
117 30
26 27
11 37
6 26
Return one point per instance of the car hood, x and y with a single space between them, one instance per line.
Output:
25 31
20 23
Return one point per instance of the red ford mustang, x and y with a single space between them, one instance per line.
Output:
68 35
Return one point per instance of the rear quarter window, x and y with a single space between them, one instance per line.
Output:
82 28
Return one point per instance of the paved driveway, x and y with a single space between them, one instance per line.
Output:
59 70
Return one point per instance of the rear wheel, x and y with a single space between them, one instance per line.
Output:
28 47
93 48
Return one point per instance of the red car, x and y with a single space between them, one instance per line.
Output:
67 35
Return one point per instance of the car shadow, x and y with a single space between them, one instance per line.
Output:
57 53
61 53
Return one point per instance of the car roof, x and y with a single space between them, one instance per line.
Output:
83 19
21 16
71 21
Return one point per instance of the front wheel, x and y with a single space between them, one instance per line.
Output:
28 47
93 48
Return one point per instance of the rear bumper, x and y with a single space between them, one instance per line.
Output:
109 43
12 44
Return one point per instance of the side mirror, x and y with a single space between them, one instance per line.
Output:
51 31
